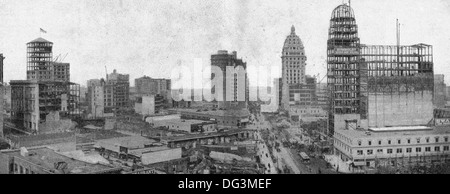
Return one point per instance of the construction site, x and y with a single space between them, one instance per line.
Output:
376 85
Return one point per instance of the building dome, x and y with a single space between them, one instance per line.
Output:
293 44
343 11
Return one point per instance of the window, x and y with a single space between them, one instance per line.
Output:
409 141
379 142
437 148
399 141
359 142
369 152
436 139
21 170
370 142
389 151
428 149
389 142
15 168
408 150
418 140
446 139
380 151
360 152
427 139
399 150
418 149
446 148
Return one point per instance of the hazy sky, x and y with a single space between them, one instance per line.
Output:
149 37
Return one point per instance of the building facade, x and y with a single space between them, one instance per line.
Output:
117 91
376 85
440 91
32 101
146 86
345 83
39 60
408 146
95 98
293 65
399 84
47 88
232 90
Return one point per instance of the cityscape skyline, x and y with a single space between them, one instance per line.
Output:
187 37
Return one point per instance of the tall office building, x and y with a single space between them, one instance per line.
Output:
117 91
293 65
146 86
399 84
345 82
47 88
376 85
95 98
39 60
234 85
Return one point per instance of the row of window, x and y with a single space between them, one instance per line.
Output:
408 141
400 150
18 169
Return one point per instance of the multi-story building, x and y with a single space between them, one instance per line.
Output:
234 85
117 91
39 60
303 94
61 72
150 86
440 91
32 101
42 160
381 98
95 97
293 65
146 86
393 146
322 96
376 85
47 88
399 84
344 75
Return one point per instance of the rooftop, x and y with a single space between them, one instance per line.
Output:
236 113
408 128
128 142
40 40
203 135
396 132
190 121
48 158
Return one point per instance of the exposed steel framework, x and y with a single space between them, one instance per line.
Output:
39 60
344 69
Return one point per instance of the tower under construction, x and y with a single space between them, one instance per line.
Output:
375 86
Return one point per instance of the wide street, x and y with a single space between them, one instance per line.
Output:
286 156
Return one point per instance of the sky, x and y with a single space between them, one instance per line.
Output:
152 37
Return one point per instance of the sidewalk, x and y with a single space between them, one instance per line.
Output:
336 162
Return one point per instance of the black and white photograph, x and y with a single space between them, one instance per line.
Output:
225 87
